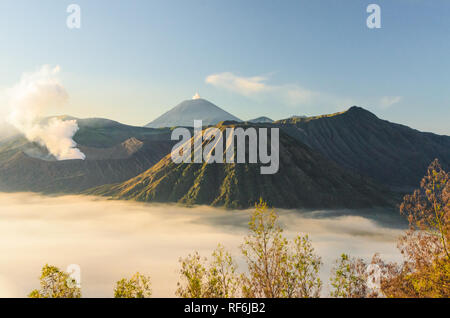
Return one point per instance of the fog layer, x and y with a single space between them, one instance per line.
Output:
114 239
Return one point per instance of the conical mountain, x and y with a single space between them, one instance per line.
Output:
186 112
305 179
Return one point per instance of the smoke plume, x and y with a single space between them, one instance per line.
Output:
28 102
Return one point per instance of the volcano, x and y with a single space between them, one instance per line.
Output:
186 112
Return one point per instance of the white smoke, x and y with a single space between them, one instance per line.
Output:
28 102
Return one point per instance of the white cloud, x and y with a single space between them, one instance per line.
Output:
291 94
295 94
388 101
246 86
258 86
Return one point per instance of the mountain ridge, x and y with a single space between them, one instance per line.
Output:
115 153
305 180
357 141
389 153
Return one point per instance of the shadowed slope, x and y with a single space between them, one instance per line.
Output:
392 154
305 179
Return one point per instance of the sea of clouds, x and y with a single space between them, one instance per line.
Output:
114 239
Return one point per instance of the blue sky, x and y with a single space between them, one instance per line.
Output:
133 60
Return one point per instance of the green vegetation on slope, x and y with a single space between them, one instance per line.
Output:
305 179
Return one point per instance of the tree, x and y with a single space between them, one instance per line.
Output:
302 274
138 286
223 281
277 268
56 284
265 251
348 278
425 271
193 277
218 279
428 210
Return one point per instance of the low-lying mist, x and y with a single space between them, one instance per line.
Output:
114 239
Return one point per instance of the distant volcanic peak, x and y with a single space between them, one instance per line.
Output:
187 111
196 102
262 119
355 108
360 112
355 112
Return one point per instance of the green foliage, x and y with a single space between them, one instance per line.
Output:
238 186
193 275
278 268
303 268
56 284
216 279
223 281
265 250
348 279
138 286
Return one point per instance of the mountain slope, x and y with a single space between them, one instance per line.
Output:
104 133
186 112
305 180
114 153
389 153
